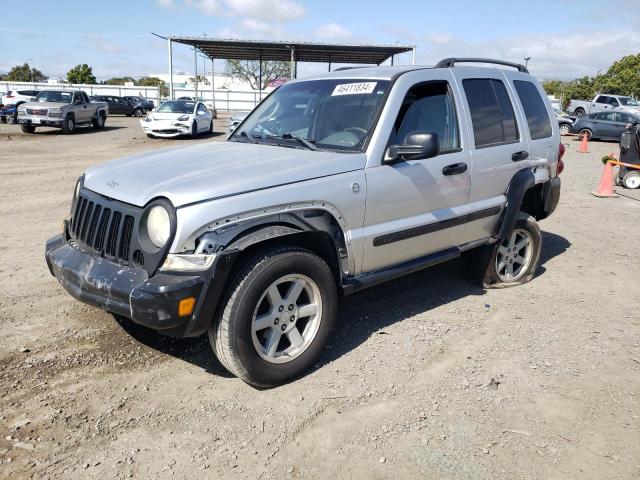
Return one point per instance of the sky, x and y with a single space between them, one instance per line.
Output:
565 38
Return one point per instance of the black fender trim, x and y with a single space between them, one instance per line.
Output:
520 183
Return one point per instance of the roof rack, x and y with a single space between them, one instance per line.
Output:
451 62
348 68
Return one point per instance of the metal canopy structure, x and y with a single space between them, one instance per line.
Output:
296 51
293 52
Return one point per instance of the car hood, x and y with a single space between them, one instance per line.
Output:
167 115
44 104
212 170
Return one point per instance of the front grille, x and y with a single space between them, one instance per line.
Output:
37 111
102 225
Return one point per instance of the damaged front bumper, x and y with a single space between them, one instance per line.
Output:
130 292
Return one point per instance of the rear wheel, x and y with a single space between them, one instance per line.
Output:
69 125
631 180
587 132
513 261
277 317
98 121
28 128
579 112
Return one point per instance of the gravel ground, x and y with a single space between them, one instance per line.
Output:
425 377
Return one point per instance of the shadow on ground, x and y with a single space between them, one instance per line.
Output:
362 314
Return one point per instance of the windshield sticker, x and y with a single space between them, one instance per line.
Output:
354 88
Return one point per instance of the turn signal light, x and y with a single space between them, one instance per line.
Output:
185 306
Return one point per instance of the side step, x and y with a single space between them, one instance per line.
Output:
353 284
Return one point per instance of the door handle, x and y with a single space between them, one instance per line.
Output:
454 169
516 157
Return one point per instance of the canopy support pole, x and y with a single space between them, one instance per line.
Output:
170 71
291 62
413 56
195 65
213 88
260 81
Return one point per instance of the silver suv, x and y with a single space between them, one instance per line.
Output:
332 184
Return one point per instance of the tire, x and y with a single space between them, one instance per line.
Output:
69 125
211 127
138 112
150 136
27 128
587 131
579 112
565 129
194 130
489 265
98 122
631 180
266 357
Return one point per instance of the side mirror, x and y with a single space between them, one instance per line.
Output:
416 146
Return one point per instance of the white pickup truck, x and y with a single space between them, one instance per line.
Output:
604 103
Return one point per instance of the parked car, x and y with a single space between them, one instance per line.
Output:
332 184
174 118
143 103
65 109
604 103
119 106
565 121
235 120
604 125
18 97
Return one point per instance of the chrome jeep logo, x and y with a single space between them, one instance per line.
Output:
112 183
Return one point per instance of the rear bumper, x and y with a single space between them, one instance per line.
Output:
551 192
130 292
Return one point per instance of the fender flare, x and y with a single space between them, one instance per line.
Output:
522 181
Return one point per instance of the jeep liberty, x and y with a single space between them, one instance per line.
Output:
332 184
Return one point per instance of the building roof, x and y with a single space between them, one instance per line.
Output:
303 51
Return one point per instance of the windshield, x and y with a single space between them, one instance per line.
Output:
332 114
628 101
176 107
54 96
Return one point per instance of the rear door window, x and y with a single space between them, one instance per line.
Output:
534 109
492 114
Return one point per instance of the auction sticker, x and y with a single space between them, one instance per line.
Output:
354 88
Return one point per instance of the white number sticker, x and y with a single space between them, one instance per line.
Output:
354 88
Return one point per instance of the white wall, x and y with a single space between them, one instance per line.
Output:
151 93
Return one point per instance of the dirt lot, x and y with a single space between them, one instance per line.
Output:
426 377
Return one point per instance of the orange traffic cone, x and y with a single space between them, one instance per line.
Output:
584 144
605 188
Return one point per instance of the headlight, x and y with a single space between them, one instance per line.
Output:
148 118
158 225
55 112
183 118
188 262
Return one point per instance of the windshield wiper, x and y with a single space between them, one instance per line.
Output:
248 137
302 141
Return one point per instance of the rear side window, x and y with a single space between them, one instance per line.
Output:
494 122
534 109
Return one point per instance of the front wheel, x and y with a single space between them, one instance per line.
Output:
138 112
27 128
194 129
69 125
631 180
277 317
565 129
513 261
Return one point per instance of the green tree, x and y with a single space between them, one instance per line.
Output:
119 81
81 74
154 82
249 71
25 73
623 77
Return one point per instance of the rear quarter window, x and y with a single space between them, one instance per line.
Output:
492 114
534 109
